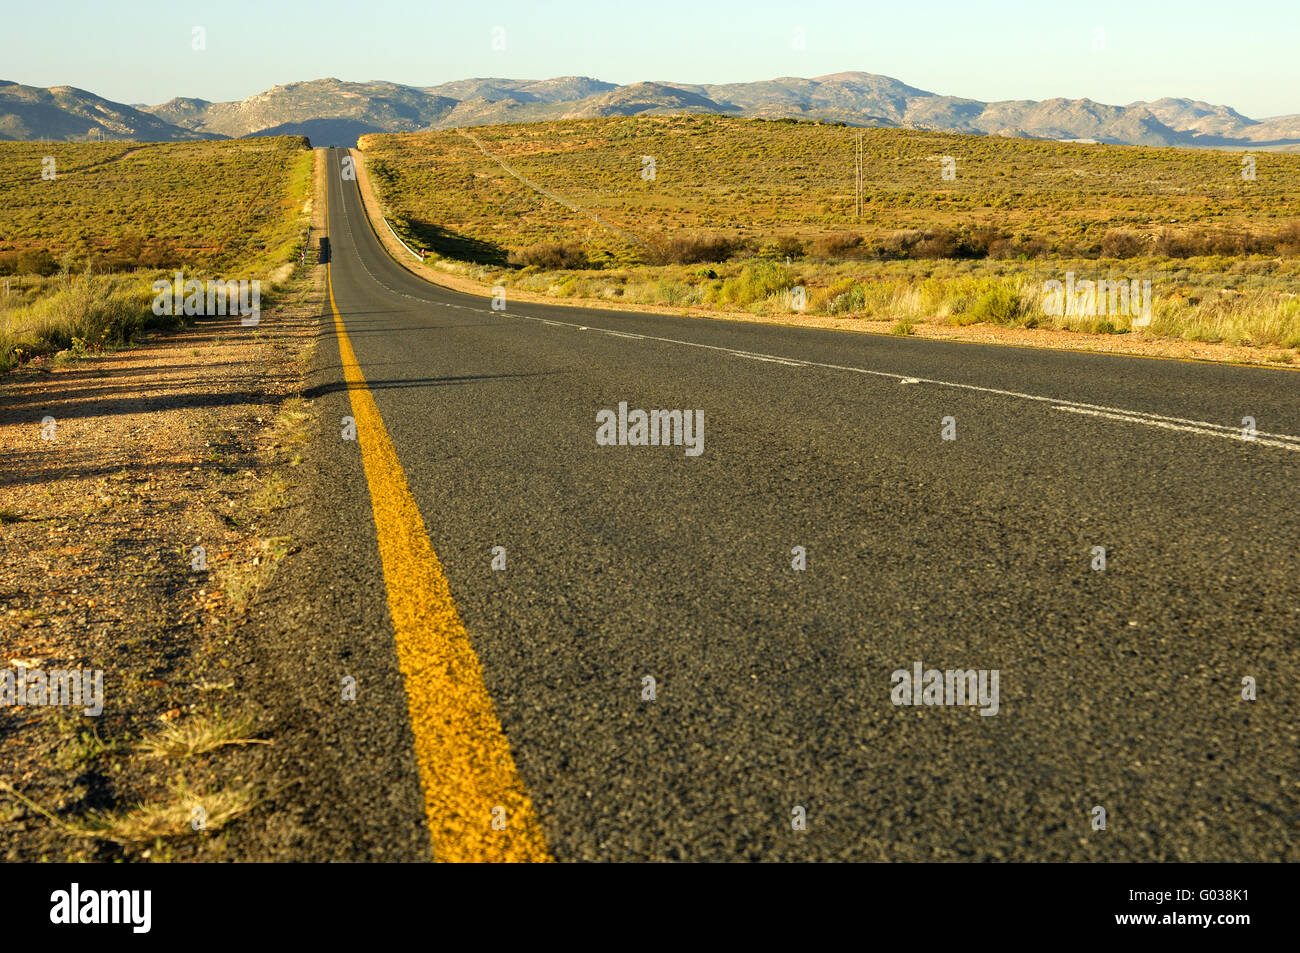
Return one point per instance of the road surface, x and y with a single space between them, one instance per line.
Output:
773 695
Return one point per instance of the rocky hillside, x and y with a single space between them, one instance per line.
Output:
331 111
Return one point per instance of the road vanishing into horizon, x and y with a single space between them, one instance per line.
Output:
509 713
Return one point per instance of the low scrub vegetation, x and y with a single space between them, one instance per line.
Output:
760 217
78 313
125 206
79 251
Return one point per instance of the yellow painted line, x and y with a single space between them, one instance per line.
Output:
466 769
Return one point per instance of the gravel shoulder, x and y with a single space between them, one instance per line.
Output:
145 505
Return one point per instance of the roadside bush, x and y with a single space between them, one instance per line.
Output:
787 247
549 256
1000 304
1171 244
95 309
36 261
158 255
976 242
939 243
756 282
1118 243
881 299
1022 246
973 300
838 245
1287 240
845 300
672 292
934 243
129 248
691 250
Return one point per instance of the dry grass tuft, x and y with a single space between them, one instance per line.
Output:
200 735
183 811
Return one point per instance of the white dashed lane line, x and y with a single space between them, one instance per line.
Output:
1181 424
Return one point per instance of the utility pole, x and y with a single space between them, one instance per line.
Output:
857 182
862 190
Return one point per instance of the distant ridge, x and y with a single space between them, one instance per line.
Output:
335 112
65 113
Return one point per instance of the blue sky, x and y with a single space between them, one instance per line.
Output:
1246 55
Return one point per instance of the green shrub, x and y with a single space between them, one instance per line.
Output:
36 261
756 282
673 292
1000 304
845 302
786 246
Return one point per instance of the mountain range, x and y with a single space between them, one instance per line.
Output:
334 112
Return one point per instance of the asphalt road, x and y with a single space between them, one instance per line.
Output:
1118 688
